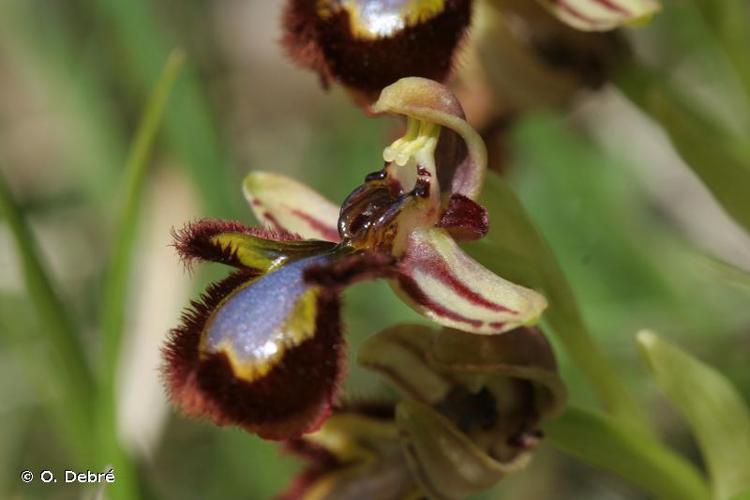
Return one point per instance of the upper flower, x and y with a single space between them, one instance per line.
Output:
366 45
369 44
264 348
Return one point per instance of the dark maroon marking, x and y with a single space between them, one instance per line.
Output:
578 14
328 232
255 202
497 324
465 219
423 172
609 4
270 218
421 188
417 294
437 268
350 269
294 397
330 48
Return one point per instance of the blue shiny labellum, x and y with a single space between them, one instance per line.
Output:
251 321
383 17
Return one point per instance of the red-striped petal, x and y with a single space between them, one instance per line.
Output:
442 282
601 15
280 202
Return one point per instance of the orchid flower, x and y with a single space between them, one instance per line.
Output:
263 349
471 415
366 45
369 44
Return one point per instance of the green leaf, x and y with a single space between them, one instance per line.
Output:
716 156
730 22
515 249
616 446
713 408
118 274
742 496
71 365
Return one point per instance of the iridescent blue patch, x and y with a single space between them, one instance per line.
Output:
251 320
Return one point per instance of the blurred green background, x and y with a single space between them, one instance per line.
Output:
643 244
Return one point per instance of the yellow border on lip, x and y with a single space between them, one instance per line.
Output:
411 13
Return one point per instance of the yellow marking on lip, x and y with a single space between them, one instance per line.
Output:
379 23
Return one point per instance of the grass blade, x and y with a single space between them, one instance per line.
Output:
143 41
716 412
119 270
719 158
77 380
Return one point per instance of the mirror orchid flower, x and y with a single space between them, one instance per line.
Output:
470 415
366 45
263 349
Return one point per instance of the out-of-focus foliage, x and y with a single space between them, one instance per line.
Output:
715 412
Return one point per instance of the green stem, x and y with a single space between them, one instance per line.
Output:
587 356
729 20
119 271
76 379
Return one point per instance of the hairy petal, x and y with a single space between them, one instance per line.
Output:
442 282
368 44
601 15
237 245
428 101
264 353
281 202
